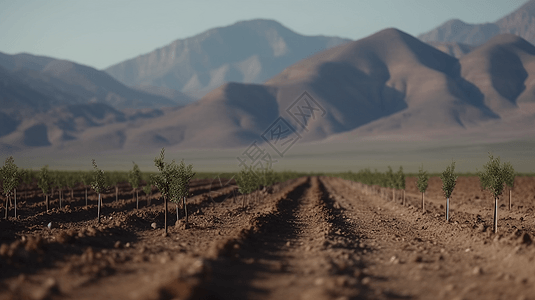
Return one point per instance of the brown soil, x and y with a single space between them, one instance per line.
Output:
308 238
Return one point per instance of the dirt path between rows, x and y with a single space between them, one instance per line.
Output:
290 255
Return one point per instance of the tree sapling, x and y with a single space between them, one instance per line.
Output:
422 183
449 179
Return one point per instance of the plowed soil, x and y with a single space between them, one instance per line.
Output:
308 238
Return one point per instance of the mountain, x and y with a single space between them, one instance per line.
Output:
43 83
388 85
248 52
389 77
503 70
521 22
173 95
454 49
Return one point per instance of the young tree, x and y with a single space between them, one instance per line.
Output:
449 179
180 187
112 179
400 181
509 178
422 183
44 183
147 189
70 182
493 179
99 185
164 180
11 176
391 181
27 176
59 183
246 181
134 178
85 178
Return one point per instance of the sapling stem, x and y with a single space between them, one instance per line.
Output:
15 203
98 208
185 210
165 212
423 203
495 215
176 211
510 199
447 209
7 206
86 196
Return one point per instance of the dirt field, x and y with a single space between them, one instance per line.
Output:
308 238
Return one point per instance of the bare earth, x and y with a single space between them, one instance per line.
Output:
308 238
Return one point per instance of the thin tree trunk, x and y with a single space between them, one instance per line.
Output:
15 204
510 191
165 213
86 196
495 214
176 211
185 211
72 195
7 206
59 199
403 197
423 203
447 209
99 203
137 200
47 202
393 195
116 193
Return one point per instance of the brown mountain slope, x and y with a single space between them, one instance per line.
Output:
503 70
454 49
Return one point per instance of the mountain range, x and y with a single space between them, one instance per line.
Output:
458 34
248 51
386 86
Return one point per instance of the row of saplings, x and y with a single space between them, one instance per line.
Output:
172 181
494 177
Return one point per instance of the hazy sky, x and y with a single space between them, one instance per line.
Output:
101 33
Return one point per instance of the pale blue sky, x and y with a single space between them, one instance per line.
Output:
101 33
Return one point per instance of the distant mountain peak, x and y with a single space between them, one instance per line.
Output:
250 51
520 22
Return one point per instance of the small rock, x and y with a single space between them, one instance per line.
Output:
118 245
366 280
319 281
477 271
127 245
154 225
50 225
526 239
